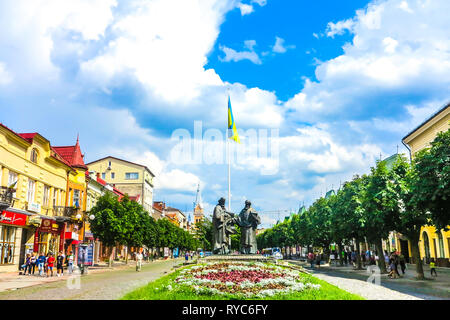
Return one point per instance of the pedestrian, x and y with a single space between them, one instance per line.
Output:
393 274
402 261
318 258
138 261
386 257
70 262
27 265
60 264
311 259
41 264
186 256
33 261
50 264
433 267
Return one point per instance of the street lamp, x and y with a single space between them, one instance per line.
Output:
92 217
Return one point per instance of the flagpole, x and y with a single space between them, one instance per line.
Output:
229 174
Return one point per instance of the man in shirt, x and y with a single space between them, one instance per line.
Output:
50 263
59 264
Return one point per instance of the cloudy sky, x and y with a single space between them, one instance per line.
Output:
340 81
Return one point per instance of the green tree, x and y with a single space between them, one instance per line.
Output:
432 184
108 225
204 233
380 201
411 216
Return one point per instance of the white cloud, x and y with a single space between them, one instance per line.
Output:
279 46
245 8
31 25
392 51
233 55
338 28
165 49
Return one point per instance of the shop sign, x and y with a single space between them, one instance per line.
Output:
35 221
34 207
14 218
48 225
71 236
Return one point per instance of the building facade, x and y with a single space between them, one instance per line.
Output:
130 178
35 220
432 244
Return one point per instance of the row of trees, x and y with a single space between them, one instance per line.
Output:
400 197
126 222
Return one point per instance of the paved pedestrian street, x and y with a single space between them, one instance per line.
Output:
404 288
97 285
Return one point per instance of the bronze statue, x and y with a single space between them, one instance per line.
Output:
223 228
248 221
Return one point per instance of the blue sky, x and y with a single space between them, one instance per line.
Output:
341 81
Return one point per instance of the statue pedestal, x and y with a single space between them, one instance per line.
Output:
237 257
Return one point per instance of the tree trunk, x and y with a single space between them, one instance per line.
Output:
339 245
358 256
111 256
416 255
381 263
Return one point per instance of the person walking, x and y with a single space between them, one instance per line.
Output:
41 264
311 259
318 258
50 264
70 262
139 261
27 265
60 264
33 260
433 267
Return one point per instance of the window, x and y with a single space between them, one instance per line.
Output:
76 198
103 175
113 175
55 197
31 190
7 244
46 196
131 176
34 155
12 181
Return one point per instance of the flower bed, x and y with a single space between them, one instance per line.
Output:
245 279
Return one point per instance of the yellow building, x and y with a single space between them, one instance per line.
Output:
34 220
76 196
130 178
431 244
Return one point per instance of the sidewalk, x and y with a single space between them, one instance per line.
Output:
14 281
438 287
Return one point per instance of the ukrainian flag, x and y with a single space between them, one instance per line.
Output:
232 132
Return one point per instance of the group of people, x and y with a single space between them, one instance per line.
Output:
46 264
394 260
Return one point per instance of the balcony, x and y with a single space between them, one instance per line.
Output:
66 212
6 198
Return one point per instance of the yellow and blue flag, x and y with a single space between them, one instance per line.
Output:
232 132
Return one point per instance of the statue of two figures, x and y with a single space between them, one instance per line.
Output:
224 226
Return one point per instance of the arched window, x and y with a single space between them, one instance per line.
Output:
34 155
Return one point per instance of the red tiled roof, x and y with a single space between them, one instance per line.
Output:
72 154
28 136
